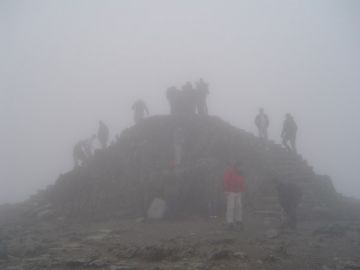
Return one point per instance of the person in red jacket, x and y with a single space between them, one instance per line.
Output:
234 186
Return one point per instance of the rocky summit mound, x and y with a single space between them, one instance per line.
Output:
123 179
93 216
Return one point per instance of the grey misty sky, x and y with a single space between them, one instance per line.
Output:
64 65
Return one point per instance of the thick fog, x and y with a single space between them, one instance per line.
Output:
65 65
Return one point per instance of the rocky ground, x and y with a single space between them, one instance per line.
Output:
119 183
185 243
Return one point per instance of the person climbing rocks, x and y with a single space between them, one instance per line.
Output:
79 154
202 91
103 134
289 195
288 133
140 109
88 146
234 186
262 124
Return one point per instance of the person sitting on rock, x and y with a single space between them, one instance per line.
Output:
262 123
234 186
289 195
289 133
103 134
140 109
202 91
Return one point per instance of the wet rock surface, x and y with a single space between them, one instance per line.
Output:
199 243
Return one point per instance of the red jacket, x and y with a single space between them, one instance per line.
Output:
233 182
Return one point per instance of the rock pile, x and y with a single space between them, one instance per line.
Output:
138 167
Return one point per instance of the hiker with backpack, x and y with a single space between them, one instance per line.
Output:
288 133
289 195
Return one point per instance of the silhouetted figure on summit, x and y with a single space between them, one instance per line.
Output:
290 196
202 91
103 134
262 123
288 133
188 99
172 95
140 109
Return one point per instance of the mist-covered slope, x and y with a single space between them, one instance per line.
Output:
122 180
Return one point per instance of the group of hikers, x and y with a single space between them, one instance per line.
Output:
190 100
289 194
83 150
288 133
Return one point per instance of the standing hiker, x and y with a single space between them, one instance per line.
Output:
289 195
262 123
172 95
288 133
234 186
103 134
140 109
202 91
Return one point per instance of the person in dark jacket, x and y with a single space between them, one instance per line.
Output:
290 196
288 133
234 186
262 123
140 109
202 91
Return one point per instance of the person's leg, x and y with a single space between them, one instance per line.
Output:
285 143
230 206
238 210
